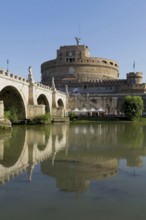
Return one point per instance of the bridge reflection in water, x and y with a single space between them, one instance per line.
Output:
25 147
74 155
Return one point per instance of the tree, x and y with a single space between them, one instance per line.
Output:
132 107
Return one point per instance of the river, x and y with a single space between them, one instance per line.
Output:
86 171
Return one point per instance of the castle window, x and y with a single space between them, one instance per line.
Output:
104 61
85 86
70 60
111 63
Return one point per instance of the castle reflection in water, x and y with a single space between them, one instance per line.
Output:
72 154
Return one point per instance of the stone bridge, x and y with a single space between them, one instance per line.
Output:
29 98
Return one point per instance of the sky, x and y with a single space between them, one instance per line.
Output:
32 30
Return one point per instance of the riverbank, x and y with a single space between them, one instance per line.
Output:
112 119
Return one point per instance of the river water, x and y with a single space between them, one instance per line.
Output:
86 171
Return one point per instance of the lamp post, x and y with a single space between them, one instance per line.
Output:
7 65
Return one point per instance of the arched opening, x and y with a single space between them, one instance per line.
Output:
60 103
42 100
12 99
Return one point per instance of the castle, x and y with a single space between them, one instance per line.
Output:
91 82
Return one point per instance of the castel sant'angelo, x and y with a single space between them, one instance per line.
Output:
91 82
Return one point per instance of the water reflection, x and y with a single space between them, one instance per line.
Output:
27 146
75 175
73 154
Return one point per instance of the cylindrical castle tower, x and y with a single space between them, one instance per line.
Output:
73 63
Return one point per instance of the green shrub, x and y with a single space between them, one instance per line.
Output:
72 115
11 115
45 119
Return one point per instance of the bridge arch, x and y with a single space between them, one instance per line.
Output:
12 98
42 100
60 103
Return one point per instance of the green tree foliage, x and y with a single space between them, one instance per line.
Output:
12 115
72 115
45 119
132 107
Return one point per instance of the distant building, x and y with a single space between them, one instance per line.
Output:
92 82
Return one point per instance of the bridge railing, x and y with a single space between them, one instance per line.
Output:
13 76
43 86
49 88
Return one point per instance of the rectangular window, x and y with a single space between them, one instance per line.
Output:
70 60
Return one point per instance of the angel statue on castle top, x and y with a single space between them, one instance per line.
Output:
77 40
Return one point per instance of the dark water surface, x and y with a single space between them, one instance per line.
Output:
87 171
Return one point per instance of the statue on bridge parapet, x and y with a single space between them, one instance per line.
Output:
53 84
66 90
30 76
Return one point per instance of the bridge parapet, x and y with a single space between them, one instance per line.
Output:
7 74
43 86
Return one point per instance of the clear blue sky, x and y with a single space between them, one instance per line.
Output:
32 30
